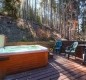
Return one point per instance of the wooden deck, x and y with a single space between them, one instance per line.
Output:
58 68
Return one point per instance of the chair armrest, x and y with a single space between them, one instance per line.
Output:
68 48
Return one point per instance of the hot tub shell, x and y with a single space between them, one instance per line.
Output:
23 61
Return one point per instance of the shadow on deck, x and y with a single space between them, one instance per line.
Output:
58 68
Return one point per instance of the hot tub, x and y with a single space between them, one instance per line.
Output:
15 59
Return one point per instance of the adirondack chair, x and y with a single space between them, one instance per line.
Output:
2 40
57 47
70 50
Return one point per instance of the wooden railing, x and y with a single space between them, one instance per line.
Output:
79 50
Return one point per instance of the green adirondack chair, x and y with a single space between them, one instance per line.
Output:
71 50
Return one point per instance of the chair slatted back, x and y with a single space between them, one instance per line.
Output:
58 43
73 46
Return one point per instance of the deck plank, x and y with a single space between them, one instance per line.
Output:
58 68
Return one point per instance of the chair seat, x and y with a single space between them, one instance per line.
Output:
69 51
57 48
